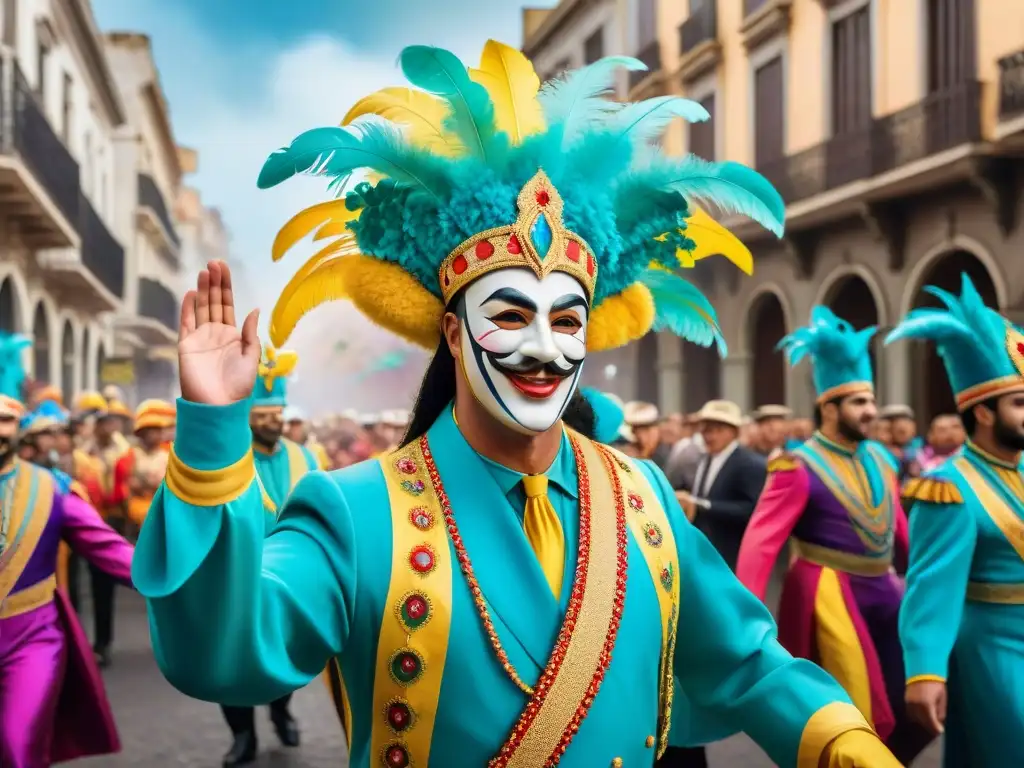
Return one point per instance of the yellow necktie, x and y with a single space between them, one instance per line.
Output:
544 531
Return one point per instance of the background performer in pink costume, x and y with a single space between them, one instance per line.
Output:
52 703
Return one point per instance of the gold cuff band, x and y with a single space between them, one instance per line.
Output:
846 562
209 488
995 594
30 598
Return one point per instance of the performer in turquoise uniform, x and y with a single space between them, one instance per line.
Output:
962 621
280 464
490 587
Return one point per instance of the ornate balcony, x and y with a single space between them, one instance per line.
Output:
700 51
1011 86
650 55
157 303
155 218
155 321
39 178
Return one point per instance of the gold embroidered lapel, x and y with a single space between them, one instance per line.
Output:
32 503
995 505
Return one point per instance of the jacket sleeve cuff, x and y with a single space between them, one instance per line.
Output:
823 727
211 437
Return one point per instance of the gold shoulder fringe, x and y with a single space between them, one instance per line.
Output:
933 490
784 463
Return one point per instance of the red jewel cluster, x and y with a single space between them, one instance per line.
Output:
421 559
406 466
543 198
395 756
636 502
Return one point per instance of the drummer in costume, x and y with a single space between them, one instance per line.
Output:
139 472
836 498
473 583
962 622
280 464
52 703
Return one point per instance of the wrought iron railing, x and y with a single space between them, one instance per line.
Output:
158 303
699 28
151 197
25 132
1011 85
102 254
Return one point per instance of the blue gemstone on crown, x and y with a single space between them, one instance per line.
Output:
540 234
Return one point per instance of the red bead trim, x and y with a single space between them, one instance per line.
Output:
571 616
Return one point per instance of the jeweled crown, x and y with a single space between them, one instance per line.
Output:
538 240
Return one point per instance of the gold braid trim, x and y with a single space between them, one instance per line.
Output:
933 490
784 463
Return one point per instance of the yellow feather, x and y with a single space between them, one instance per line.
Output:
513 84
384 292
620 319
421 112
331 251
305 221
712 238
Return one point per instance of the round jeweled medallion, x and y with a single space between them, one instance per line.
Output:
667 577
399 715
421 518
653 534
406 666
414 611
395 756
635 502
406 466
421 559
415 487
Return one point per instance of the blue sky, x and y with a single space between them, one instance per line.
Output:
244 78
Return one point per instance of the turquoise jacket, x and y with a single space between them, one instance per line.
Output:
317 586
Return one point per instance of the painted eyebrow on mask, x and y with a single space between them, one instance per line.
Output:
512 296
569 301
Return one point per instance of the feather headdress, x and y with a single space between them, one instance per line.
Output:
12 373
477 169
839 354
983 351
271 388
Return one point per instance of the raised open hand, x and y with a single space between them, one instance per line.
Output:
217 362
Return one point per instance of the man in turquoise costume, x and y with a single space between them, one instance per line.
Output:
489 588
962 621
279 464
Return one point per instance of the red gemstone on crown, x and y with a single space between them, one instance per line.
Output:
421 559
543 198
514 246
590 265
484 249
460 264
572 251
1020 348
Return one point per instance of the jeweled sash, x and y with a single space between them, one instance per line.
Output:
32 504
416 625
653 533
998 501
874 530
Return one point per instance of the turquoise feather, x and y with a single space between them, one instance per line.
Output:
681 308
647 120
731 187
608 415
440 72
579 99
12 371
337 152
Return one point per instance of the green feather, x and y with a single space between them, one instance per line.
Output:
681 308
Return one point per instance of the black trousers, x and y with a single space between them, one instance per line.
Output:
243 719
74 591
683 757
103 586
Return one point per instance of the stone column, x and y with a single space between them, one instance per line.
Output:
671 384
736 380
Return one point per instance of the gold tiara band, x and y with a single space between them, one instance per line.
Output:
845 390
537 241
979 393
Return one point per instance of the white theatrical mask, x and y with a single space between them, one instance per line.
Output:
523 344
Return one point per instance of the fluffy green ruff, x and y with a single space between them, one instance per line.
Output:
619 191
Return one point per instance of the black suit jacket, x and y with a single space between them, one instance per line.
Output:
732 498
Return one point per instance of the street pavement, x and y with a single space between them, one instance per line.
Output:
161 727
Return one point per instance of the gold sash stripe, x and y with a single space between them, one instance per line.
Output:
999 511
573 675
405 705
29 598
837 560
33 503
995 593
652 531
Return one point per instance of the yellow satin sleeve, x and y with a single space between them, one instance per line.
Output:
859 749
820 737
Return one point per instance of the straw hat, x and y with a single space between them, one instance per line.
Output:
721 412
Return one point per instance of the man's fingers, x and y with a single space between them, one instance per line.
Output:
227 295
188 315
203 299
250 338
216 305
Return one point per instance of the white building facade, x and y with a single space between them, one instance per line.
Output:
62 265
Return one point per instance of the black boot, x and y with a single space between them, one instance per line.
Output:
285 726
243 750
102 656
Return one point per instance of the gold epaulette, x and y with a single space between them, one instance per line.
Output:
785 462
934 490
79 490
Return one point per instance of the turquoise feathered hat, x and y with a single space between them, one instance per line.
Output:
12 373
839 354
477 169
271 388
609 415
983 351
